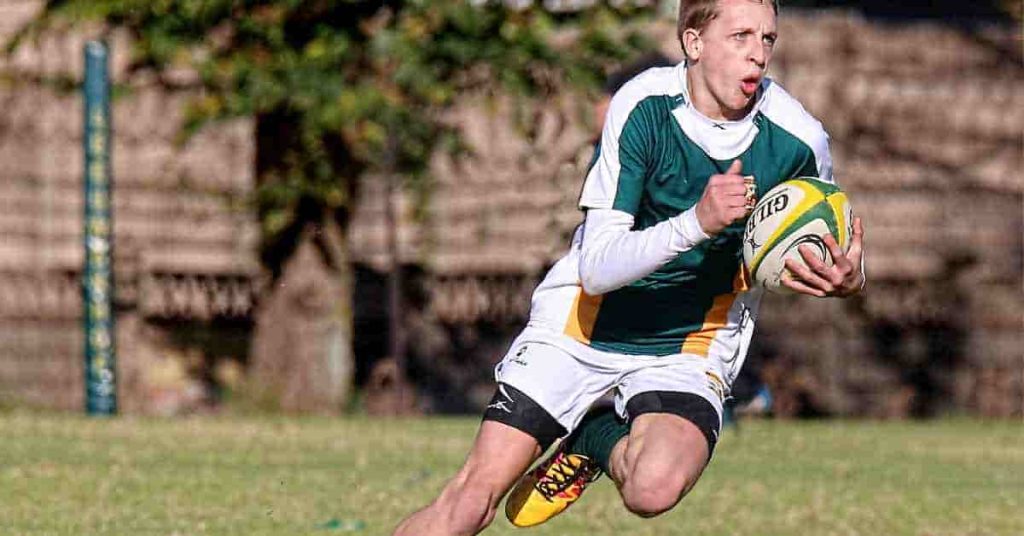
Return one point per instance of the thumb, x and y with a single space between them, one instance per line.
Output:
735 167
856 246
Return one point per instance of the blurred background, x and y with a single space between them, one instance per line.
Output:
344 207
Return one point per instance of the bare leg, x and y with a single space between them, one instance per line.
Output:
467 504
658 463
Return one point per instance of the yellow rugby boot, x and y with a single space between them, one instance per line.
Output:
550 488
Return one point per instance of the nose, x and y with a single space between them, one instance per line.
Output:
758 54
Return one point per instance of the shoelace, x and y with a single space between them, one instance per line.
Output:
562 467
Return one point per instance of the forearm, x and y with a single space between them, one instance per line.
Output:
614 256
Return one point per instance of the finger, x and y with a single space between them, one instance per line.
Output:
812 260
735 167
733 200
731 214
791 283
732 188
834 274
728 180
736 214
838 256
856 247
808 277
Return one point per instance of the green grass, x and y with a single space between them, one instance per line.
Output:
253 476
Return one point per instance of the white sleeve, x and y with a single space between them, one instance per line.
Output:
822 155
613 256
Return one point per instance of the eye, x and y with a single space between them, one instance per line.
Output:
740 36
770 40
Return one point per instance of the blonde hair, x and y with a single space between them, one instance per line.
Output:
697 14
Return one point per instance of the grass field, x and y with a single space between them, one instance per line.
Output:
66 475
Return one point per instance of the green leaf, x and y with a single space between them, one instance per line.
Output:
363 84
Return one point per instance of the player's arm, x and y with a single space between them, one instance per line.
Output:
613 256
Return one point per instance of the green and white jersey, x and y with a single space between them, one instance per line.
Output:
656 155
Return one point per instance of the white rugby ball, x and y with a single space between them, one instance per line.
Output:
795 212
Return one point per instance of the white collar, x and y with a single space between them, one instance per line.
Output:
721 140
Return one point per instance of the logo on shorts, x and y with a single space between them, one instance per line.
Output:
503 405
518 358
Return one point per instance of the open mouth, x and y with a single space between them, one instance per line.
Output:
749 85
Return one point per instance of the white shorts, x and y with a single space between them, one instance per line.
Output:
566 377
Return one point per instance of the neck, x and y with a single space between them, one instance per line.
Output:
706 103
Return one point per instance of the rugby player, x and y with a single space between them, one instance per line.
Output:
651 300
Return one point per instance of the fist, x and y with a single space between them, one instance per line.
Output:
725 200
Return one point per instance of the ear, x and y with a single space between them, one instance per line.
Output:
692 44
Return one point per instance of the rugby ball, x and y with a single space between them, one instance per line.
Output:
795 212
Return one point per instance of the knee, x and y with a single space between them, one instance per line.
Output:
654 496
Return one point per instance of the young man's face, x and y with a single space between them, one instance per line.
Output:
733 52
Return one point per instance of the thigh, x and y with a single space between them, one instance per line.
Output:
685 388
665 451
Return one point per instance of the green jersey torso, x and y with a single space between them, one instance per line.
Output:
655 158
